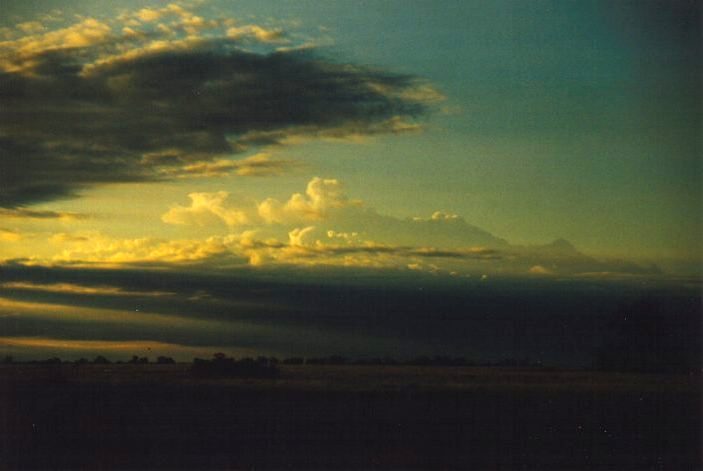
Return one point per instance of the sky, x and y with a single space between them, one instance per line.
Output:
361 143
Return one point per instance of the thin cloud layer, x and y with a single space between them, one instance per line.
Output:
26 213
162 93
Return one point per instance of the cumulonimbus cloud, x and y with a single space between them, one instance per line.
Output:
140 98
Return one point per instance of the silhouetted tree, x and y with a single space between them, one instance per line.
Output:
165 360
51 361
8 359
101 360
222 366
219 356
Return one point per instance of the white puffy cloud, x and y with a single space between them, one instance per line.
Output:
205 209
297 237
321 196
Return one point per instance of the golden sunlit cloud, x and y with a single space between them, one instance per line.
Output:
26 213
21 55
321 196
205 209
70 312
9 235
258 165
257 32
539 270
70 288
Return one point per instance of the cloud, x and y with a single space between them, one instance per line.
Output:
438 216
115 349
71 288
31 27
27 54
162 93
257 32
149 14
62 237
321 196
296 237
25 213
291 311
258 165
539 270
324 226
9 235
97 248
305 246
204 209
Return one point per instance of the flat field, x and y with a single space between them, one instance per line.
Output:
347 417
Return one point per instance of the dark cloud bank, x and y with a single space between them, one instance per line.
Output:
361 313
64 127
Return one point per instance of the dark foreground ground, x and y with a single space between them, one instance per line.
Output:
358 417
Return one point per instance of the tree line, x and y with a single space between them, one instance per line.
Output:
222 359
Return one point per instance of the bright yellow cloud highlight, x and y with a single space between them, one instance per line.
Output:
17 55
257 32
71 288
7 235
10 307
321 196
205 209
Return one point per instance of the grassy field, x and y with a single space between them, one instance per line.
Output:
346 417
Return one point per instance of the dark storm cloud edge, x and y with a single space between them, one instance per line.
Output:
62 128
322 313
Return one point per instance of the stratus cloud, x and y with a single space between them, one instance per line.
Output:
305 246
72 288
104 250
163 93
258 165
309 245
205 209
26 213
